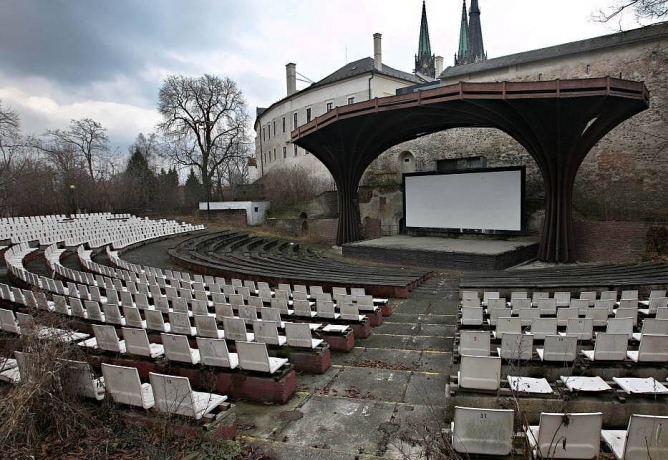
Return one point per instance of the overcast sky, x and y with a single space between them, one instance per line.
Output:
106 59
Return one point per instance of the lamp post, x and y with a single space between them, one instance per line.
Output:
73 202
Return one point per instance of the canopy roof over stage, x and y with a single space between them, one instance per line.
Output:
557 122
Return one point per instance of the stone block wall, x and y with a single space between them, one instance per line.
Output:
610 242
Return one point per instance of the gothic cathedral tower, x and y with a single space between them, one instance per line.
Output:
424 60
471 48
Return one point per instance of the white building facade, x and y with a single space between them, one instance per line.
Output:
357 81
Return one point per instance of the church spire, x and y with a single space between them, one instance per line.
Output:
424 60
476 48
460 58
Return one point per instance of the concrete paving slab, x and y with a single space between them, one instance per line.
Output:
370 384
429 343
402 318
435 361
426 389
437 330
415 425
397 329
390 359
437 319
346 359
460 245
387 341
287 451
338 424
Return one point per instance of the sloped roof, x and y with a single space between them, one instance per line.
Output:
362 66
565 49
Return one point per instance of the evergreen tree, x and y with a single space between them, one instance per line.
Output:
141 185
193 190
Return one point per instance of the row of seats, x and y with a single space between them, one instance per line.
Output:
484 373
168 393
477 431
562 298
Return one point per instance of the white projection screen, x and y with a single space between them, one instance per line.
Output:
473 201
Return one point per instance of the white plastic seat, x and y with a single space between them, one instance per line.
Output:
479 372
474 343
350 312
496 302
585 384
235 329
537 295
582 328
271 314
8 321
137 343
206 327
325 309
507 324
214 352
223 310
566 314
568 436
528 315
303 308
267 332
178 349
105 339
483 431
652 349
620 326
112 314
529 385
471 316
662 313
175 396
542 327
652 326
125 387
609 295
519 304
132 318
156 322
653 304
608 347
590 296
468 295
299 335
559 348
77 377
646 438
563 299
599 316
472 302
487 295
180 324
253 356
608 304
623 312
547 306
516 346
496 313
248 313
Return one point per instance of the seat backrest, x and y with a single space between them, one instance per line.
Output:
337 291
547 306
518 295
177 348
236 299
610 347
154 320
299 295
471 315
315 291
656 303
124 385
623 312
281 304
78 377
529 315
474 343
132 317
8 321
646 437
302 308
542 327
76 307
620 326
471 302
608 304
488 295
560 348
630 294
479 372
496 303
206 326
628 303
172 394
582 305
253 356
93 310
653 348
508 324
609 295
565 314
250 284
60 304
111 313
582 328
569 435
537 295
255 302
213 352
26 322
266 332
599 316
298 335
655 326
350 312
656 293
136 341
180 305
235 328
106 338
180 323
662 313
470 295
243 291
248 313
483 431
588 295
516 346
521 303
223 310
325 309
563 298
270 314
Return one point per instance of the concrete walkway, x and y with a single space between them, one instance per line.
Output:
375 401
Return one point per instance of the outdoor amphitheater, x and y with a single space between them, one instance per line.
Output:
307 355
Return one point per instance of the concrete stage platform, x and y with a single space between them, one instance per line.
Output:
450 253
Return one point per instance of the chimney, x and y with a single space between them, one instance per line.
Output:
438 65
377 52
291 78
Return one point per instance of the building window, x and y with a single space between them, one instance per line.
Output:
294 121
540 76
265 156
294 146
330 106
268 131
274 122
257 209
308 114
264 135
274 154
283 124
351 100
587 69
285 155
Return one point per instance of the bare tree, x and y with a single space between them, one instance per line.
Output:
643 9
13 153
205 123
87 138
